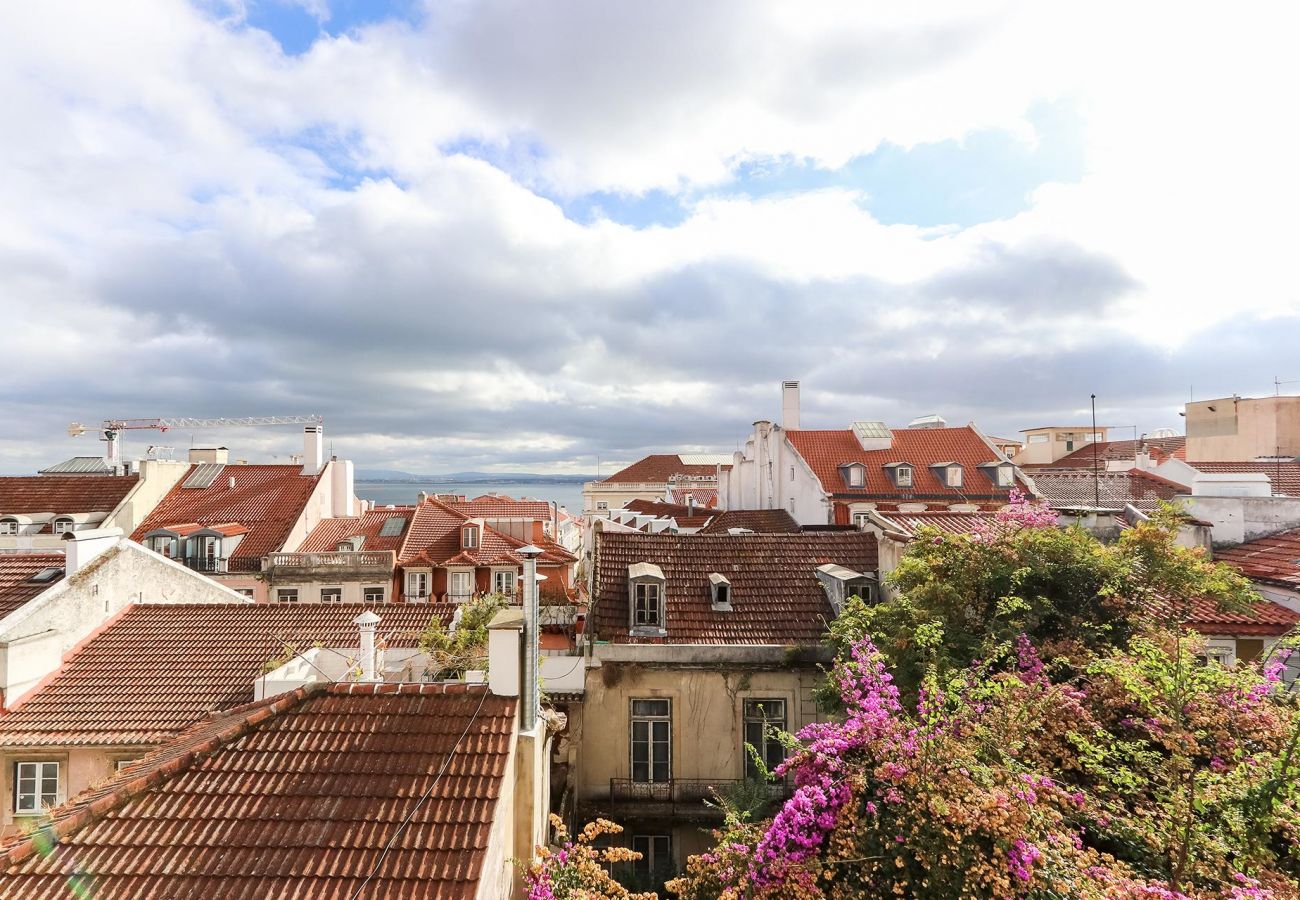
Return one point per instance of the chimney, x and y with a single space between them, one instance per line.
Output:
790 404
313 449
503 651
530 699
80 547
218 455
366 622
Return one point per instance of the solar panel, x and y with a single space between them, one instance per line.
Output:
203 475
393 527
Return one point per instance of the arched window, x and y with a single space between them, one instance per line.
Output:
62 525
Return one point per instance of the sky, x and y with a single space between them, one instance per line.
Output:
504 235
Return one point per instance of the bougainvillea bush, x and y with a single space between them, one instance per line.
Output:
1074 744
576 869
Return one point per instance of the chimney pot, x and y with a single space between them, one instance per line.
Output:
366 623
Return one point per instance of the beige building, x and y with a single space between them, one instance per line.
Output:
703 643
672 477
1237 429
1044 446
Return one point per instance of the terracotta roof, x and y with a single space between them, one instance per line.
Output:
24 495
434 539
294 796
158 668
1274 559
704 497
826 451
907 524
776 596
266 499
660 467
1072 487
760 521
326 537
1117 450
684 515
1263 617
1283 476
499 506
16 572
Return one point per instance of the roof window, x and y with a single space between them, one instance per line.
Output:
720 591
854 474
646 598
469 537
62 525
900 473
46 575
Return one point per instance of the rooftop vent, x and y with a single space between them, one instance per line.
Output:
933 420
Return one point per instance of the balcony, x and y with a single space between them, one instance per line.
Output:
208 565
684 796
376 565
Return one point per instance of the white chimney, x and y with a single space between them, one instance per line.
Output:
313 449
530 699
790 404
219 455
366 622
504 632
80 547
342 488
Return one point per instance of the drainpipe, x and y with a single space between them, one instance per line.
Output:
366 622
530 699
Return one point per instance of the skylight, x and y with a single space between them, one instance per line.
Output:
47 574
392 527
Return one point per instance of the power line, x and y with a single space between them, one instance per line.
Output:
423 797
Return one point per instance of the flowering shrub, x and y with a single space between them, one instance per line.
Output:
1115 765
576 869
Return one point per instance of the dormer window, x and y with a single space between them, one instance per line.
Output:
901 473
854 474
469 537
61 525
351 545
1006 476
645 598
8 526
950 472
954 476
720 590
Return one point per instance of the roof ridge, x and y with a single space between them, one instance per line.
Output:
164 765
367 688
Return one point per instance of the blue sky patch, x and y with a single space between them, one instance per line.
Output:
296 28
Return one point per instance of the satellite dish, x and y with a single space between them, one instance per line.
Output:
75 429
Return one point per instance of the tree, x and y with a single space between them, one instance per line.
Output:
452 652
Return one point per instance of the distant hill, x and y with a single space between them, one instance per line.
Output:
470 477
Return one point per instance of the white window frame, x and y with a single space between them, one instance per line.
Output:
953 476
642 597
602 504
857 475
39 774
469 537
368 590
653 734
247 592
1039 439
286 595
1006 476
903 476
336 590
62 525
861 520
418 585
460 575
9 526
498 575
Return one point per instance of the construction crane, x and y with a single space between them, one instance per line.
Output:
112 428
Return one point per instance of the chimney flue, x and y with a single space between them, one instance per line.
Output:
313 449
530 698
790 404
366 623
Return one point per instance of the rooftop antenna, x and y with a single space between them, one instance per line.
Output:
1277 385
1096 479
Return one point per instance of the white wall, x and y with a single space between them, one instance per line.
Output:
1240 519
157 478
73 608
760 478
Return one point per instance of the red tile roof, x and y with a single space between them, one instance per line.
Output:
1073 487
1283 476
160 667
703 497
25 495
499 506
1263 617
907 524
685 516
266 499
760 521
1274 559
294 796
826 451
16 571
660 467
1117 450
776 596
326 537
434 539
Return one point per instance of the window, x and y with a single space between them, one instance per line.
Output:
372 595
602 504
8 526
720 588
331 595
652 731
954 476
247 592
854 474
860 520
61 526
792 473
1038 439
504 583
469 537
461 585
1006 476
36 787
343 546
286 595
647 604
161 543
417 585
903 476
761 716
656 862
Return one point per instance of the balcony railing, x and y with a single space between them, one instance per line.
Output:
206 565
683 796
360 563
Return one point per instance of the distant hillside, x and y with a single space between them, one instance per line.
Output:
470 477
